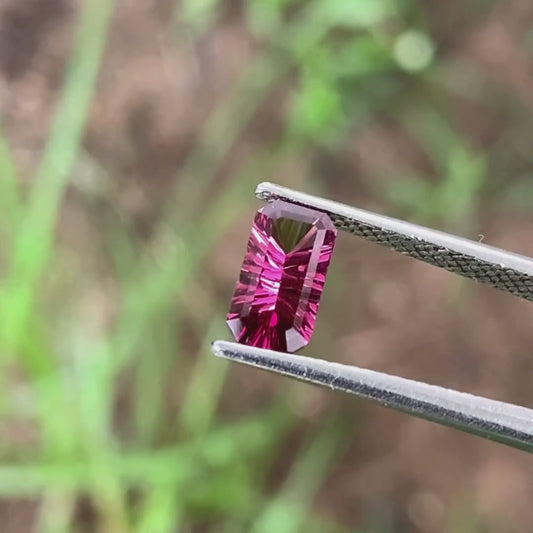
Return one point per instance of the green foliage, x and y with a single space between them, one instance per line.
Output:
519 196
9 191
317 109
177 462
33 244
197 15
266 16
360 14
287 513
460 174
451 198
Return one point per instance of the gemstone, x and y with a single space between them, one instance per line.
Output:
276 299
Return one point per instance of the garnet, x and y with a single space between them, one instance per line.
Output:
282 277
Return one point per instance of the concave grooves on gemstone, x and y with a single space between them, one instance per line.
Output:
276 299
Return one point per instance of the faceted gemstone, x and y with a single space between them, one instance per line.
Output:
282 277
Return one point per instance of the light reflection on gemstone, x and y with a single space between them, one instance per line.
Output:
276 299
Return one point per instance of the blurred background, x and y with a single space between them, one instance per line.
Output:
132 135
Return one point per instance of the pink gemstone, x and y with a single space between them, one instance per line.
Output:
282 277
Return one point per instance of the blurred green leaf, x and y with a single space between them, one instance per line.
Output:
33 244
287 513
264 16
361 57
202 395
159 510
452 198
198 15
466 174
179 465
316 110
361 13
9 192
56 512
519 196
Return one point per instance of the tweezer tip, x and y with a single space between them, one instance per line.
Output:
263 187
258 357
230 350
217 347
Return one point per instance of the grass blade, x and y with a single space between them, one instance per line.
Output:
34 241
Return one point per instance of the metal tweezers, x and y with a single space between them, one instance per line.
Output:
513 273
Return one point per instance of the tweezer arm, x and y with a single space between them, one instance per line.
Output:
506 271
499 421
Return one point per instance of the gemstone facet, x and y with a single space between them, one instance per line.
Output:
276 299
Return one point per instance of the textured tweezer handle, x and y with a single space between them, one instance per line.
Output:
506 271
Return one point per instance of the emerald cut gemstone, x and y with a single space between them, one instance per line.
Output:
282 276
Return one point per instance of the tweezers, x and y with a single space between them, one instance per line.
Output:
499 421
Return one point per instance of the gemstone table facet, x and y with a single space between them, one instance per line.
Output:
276 299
